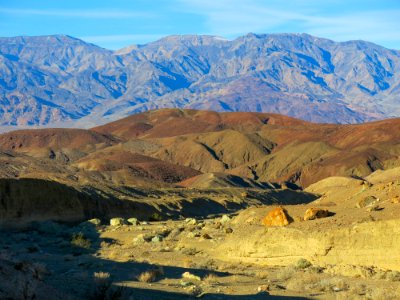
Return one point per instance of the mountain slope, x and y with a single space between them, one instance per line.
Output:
62 80
164 147
262 147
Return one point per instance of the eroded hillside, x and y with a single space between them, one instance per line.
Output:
185 203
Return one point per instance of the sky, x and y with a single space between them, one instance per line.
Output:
114 24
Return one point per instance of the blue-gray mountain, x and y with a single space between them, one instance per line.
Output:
61 79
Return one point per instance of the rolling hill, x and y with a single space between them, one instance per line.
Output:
164 147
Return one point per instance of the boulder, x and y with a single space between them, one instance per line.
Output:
367 201
95 222
157 238
193 235
191 276
277 217
142 238
133 221
191 221
315 213
118 222
225 219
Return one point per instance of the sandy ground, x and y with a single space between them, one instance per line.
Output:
127 251
223 257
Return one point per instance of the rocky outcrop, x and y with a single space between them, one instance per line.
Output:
276 217
367 201
23 201
315 213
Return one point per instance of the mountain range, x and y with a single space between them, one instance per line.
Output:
63 81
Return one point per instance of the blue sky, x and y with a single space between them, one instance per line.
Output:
115 24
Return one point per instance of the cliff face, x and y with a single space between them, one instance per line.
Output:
25 200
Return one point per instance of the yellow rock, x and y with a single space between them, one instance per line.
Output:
276 217
396 199
315 213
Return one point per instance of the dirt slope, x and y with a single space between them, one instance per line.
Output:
256 146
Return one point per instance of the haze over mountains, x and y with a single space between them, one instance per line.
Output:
59 79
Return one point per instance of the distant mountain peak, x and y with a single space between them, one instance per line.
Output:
59 78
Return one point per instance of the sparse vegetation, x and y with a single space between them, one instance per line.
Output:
383 294
80 240
188 263
156 217
40 270
286 273
211 278
313 282
262 274
190 251
393 275
105 290
151 275
195 290
302 263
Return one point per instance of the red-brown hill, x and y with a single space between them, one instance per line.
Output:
55 138
170 145
174 122
268 147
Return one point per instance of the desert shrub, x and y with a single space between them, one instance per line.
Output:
312 282
26 288
383 294
305 282
151 275
211 278
261 274
393 276
190 251
286 273
40 270
315 269
156 217
302 263
195 291
80 240
103 288
102 281
357 289
188 263
332 285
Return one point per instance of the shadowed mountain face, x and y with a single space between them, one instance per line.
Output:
50 79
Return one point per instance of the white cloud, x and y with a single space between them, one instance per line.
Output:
73 13
233 17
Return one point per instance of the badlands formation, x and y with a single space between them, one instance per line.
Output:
177 204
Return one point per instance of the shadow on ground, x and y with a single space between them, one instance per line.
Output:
70 269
